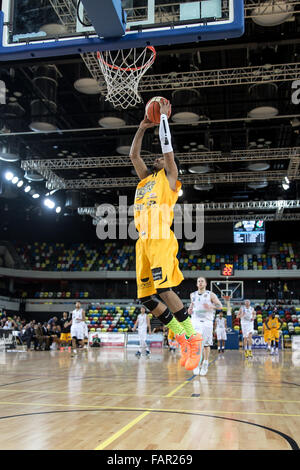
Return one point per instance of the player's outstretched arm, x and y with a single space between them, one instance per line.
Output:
214 299
135 150
166 144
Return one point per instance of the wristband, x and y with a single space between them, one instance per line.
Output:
165 135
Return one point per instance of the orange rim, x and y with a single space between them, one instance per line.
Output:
132 69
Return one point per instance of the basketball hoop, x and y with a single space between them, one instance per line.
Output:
226 298
123 70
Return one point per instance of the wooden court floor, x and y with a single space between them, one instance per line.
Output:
109 399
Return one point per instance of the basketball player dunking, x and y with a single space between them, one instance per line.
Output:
157 269
247 315
202 310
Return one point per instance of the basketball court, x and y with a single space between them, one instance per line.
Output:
112 401
76 82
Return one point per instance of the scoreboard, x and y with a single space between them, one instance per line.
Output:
227 269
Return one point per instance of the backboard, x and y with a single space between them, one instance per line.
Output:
229 287
41 28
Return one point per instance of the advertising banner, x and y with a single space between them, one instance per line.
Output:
6 339
108 339
156 340
259 343
295 343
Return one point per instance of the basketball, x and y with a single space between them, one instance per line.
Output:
153 109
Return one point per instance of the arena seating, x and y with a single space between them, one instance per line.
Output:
76 257
113 257
111 318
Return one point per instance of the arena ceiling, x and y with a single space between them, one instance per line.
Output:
226 154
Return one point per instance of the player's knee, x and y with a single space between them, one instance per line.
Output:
165 292
149 302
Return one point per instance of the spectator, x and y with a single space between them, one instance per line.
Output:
29 335
53 334
286 292
279 291
52 321
42 339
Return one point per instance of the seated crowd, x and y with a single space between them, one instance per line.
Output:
44 335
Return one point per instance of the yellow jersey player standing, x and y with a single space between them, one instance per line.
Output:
273 325
157 266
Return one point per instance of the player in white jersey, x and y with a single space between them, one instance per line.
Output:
142 324
220 328
247 315
202 310
77 330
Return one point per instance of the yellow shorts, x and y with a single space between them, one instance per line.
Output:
274 335
65 337
267 336
157 266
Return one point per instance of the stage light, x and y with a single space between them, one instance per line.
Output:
9 175
49 203
15 180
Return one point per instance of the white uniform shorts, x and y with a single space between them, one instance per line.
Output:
247 328
221 334
77 330
142 337
85 330
205 328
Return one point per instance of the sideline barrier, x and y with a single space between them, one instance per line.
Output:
130 340
259 343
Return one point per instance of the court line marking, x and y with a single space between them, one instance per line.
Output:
170 395
119 433
146 409
132 423
290 440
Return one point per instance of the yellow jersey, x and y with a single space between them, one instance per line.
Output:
273 323
154 206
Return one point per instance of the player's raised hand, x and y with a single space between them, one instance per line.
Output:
146 124
165 107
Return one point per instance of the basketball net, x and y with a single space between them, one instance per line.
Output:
122 71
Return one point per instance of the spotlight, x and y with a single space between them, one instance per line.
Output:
49 203
9 175
15 180
180 193
20 183
27 188
286 180
35 196
285 186
58 209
